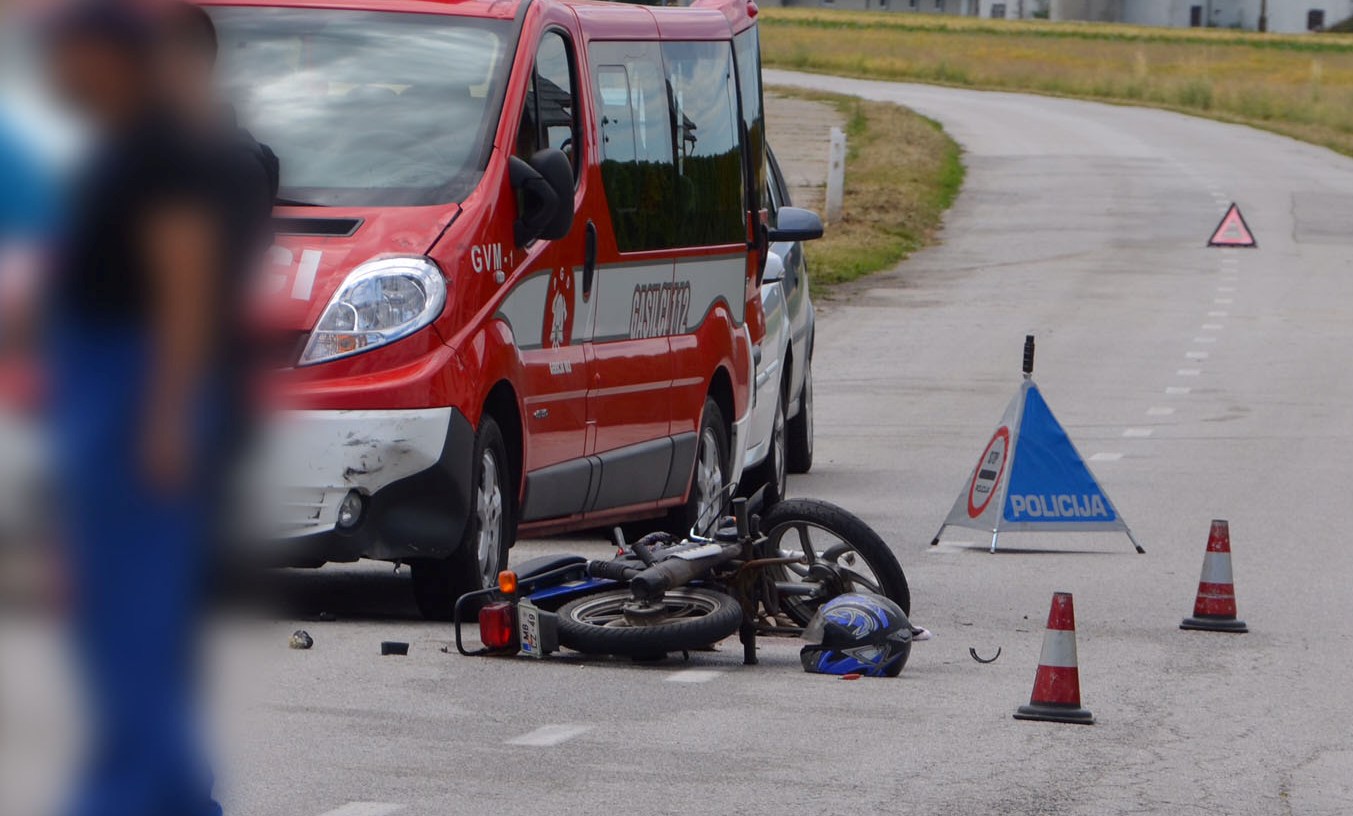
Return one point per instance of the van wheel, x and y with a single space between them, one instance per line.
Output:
439 582
799 431
709 482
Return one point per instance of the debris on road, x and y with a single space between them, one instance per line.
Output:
301 640
393 647
973 652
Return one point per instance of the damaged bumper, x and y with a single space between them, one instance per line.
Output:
408 471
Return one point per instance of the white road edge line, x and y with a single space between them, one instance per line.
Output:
548 735
364 809
693 676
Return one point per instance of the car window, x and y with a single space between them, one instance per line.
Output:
779 190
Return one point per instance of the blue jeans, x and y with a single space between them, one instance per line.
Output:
136 558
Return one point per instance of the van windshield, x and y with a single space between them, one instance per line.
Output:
367 108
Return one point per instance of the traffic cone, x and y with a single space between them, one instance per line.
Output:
1057 686
1215 608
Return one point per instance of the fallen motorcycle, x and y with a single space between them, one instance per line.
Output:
755 575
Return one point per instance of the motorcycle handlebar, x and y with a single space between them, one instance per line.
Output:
614 570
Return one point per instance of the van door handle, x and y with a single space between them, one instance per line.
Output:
589 258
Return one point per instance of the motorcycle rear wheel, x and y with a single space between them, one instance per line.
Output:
690 618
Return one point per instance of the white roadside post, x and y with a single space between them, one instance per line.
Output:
836 175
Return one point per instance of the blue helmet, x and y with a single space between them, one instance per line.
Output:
857 633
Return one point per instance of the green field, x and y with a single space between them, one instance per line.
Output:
1297 85
902 172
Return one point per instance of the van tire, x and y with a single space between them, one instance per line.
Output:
439 582
799 429
711 451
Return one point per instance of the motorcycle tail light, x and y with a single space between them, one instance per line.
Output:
498 626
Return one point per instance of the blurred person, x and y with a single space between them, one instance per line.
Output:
30 143
167 217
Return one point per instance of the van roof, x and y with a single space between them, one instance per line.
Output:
701 14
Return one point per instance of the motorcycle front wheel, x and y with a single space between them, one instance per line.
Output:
611 623
850 552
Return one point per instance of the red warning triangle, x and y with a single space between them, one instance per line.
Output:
1232 231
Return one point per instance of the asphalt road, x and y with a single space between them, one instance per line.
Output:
1201 383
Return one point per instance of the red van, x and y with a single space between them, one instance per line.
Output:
516 276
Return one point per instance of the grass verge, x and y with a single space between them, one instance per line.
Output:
1299 86
902 173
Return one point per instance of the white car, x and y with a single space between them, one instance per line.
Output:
780 433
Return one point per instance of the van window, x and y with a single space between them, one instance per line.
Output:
709 205
368 108
550 116
637 161
748 53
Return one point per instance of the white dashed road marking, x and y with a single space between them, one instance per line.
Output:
1204 339
1196 355
1189 372
1161 410
693 676
1106 457
1176 389
1212 327
547 735
364 809
1223 301
1217 314
1137 433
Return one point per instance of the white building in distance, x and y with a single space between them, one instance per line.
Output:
1283 16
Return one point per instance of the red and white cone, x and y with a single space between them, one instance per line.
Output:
1057 685
1215 608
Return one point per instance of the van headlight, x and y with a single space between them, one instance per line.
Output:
380 302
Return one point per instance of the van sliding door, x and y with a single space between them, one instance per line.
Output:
636 307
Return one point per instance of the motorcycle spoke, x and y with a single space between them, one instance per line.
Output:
805 542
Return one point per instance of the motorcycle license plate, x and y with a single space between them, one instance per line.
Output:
528 630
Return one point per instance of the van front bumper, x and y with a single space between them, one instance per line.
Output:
411 469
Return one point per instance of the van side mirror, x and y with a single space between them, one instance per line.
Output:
795 224
544 190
